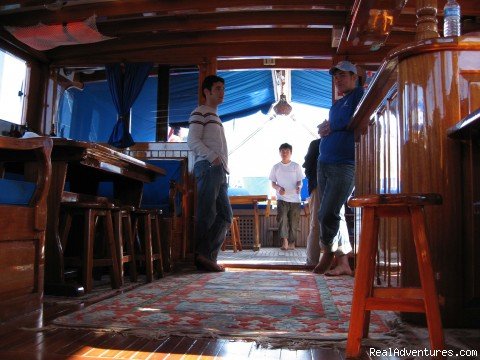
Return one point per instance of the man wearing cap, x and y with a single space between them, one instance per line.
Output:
336 172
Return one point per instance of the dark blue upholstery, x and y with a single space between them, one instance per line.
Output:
156 193
304 193
16 192
105 189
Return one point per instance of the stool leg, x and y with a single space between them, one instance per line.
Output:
363 281
129 243
427 279
64 232
233 235
89 236
237 236
118 236
115 277
148 248
157 241
371 270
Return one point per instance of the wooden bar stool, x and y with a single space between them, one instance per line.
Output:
146 227
91 213
123 231
365 296
234 236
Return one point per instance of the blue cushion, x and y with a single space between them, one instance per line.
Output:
105 189
237 191
16 192
156 193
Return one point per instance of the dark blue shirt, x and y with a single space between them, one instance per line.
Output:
339 146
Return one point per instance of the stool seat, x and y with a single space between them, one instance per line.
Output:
395 200
366 297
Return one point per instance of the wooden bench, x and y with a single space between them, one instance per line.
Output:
23 223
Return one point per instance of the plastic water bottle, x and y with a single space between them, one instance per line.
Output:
451 19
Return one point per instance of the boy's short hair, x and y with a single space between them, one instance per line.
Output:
285 146
209 81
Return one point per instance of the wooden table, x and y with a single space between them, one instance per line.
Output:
251 200
84 165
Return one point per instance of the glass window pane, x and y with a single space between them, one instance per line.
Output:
12 86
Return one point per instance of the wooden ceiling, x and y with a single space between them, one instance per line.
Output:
240 34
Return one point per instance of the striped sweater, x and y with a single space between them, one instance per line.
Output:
206 136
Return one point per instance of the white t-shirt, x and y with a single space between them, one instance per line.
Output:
287 176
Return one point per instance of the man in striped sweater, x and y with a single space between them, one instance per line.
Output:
206 138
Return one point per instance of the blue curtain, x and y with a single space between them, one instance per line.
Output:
125 82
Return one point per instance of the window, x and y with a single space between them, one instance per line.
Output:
13 73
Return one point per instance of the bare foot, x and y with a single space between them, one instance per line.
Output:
324 264
285 244
202 263
291 246
339 270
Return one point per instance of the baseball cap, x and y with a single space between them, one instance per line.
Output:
344 66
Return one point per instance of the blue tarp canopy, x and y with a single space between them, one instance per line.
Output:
312 87
246 92
90 115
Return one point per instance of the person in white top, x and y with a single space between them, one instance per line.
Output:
286 177
206 138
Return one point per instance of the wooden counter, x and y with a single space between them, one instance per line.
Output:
401 125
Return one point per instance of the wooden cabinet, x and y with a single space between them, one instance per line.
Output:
421 90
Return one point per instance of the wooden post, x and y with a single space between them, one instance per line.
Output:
426 20
162 103
207 67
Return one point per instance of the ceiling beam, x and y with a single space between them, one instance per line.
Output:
176 41
196 54
202 22
279 63
73 12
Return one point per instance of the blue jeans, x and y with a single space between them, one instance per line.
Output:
335 182
214 213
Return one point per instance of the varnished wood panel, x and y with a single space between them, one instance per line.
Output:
22 229
436 84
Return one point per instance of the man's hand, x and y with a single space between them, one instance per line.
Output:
324 128
217 161
281 190
297 189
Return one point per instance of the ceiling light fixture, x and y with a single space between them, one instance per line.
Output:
282 107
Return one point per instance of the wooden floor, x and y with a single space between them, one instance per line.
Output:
19 341
17 344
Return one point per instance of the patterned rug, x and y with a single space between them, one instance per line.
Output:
239 304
